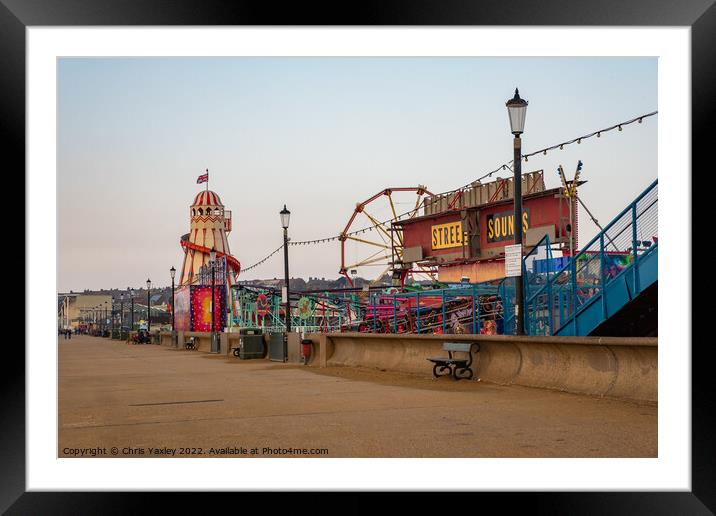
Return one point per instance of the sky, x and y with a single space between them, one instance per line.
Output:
318 135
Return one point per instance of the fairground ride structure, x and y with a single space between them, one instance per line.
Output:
382 247
210 223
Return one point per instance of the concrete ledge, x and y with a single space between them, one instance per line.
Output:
624 368
204 341
227 341
165 339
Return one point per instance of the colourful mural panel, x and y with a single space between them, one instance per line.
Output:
201 308
182 312
588 266
615 263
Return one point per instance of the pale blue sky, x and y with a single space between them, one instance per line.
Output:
318 134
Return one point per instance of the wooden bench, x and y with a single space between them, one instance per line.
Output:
191 343
450 365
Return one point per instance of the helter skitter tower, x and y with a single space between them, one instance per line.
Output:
210 223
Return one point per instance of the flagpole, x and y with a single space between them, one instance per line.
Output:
207 179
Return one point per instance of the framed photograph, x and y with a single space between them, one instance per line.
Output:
336 198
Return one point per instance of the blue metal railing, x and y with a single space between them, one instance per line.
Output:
462 309
554 301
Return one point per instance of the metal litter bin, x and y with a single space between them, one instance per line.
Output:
277 347
250 346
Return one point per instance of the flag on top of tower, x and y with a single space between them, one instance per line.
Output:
204 178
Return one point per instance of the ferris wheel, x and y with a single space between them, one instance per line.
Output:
370 245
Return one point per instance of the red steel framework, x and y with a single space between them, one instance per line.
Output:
392 240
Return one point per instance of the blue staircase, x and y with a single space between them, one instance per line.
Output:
612 270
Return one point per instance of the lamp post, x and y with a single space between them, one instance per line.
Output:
149 310
212 264
172 272
517 111
131 310
121 314
104 321
285 217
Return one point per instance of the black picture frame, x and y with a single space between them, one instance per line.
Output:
16 15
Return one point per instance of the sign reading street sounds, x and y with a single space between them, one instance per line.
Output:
501 226
447 235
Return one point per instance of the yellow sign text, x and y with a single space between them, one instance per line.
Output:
447 235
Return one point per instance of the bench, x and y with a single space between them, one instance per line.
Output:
450 365
191 343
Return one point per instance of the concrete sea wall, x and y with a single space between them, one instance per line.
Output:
624 368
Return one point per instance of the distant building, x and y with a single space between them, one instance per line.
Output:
73 309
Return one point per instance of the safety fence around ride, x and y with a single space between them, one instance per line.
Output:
265 310
461 309
472 309
613 261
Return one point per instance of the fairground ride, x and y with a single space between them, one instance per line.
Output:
382 246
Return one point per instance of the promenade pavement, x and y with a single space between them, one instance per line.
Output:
152 401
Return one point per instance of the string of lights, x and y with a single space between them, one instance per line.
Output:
598 134
560 146
262 260
504 166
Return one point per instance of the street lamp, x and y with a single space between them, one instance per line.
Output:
172 272
212 264
121 314
105 318
149 311
111 319
130 292
517 111
285 217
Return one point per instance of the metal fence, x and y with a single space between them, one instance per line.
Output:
554 298
473 309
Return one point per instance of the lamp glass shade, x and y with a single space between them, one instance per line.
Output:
212 255
149 284
285 217
172 272
517 111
